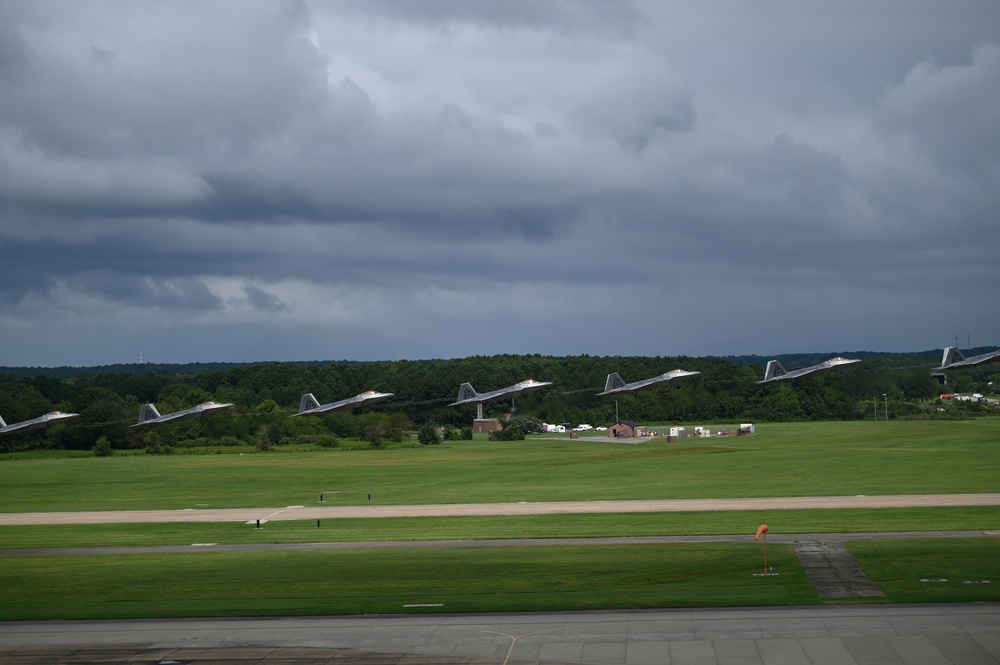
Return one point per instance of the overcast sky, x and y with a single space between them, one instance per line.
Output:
379 179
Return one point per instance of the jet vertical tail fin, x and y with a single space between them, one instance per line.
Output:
951 355
466 391
614 381
148 412
308 402
3 423
774 370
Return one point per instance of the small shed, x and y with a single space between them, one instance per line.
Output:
626 429
486 425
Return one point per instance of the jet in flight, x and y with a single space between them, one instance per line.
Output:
50 418
310 406
148 415
468 395
775 372
953 359
616 384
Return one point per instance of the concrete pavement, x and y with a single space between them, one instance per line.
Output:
828 635
315 512
786 538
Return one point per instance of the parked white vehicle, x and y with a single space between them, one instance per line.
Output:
583 428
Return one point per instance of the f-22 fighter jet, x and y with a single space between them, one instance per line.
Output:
50 418
148 415
775 372
616 384
310 406
468 395
953 359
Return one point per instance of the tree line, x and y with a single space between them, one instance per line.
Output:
266 394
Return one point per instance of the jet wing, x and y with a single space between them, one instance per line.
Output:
953 359
613 385
150 416
468 395
775 372
367 397
526 386
50 418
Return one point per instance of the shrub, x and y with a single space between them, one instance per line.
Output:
375 434
327 441
428 436
509 433
103 447
262 441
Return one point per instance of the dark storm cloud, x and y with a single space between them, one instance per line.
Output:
946 111
601 15
262 300
179 294
410 179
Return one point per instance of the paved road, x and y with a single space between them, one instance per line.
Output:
527 508
831 635
789 538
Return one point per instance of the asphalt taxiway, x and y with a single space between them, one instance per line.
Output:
959 634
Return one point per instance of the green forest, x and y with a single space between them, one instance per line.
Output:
265 395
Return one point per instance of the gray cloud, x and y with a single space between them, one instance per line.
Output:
380 179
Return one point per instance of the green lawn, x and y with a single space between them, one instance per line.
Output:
385 581
978 518
802 459
805 459
475 580
952 570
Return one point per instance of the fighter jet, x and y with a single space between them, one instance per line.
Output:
148 415
953 359
775 372
616 384
310 406
50 418
468 395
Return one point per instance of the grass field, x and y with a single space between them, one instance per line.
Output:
780 460
472 580
593 525
806 459
385 581
939 571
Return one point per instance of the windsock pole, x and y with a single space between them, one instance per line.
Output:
762 531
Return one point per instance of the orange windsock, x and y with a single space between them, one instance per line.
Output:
761 530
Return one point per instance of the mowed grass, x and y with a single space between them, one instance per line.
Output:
593 525
386 581
809 459
800 459
490 579
933 571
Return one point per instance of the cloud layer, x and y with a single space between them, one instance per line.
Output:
378 180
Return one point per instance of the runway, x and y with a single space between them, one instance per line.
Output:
265 514
828 635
